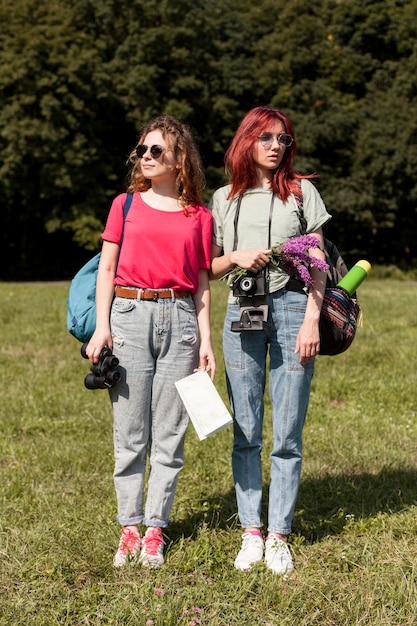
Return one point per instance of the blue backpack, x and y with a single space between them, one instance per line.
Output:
81 303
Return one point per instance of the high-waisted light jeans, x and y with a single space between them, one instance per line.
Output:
245 356
156 344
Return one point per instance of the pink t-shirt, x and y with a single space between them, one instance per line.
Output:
160 248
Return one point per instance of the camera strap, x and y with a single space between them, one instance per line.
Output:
235 239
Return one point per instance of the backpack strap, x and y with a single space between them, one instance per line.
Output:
298 197
337 266
126 207
127 204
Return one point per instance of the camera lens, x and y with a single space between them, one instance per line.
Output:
248 284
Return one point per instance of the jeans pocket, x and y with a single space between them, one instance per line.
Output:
121 307
296 302
232 342
187 321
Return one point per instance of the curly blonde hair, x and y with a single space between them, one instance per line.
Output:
190 179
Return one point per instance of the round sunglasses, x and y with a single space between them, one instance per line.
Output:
267 139
155 151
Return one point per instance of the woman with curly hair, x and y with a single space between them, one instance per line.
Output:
153 311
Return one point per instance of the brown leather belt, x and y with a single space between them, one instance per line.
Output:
149 294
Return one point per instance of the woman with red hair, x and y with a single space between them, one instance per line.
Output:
267 312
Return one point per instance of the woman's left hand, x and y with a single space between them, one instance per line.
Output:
308 342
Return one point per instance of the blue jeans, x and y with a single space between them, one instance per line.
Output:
245 356
156 344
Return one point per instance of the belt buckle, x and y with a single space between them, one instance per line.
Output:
155 296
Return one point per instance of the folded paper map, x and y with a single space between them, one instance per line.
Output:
204 405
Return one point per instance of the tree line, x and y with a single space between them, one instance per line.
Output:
79 78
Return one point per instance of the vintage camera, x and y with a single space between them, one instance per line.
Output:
251 290
104 373
250 284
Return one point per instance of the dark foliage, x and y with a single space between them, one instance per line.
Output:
78 79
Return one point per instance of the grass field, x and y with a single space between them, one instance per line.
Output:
355 526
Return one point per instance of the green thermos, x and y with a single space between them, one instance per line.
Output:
355 276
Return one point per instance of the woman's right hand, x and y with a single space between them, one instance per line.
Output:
252 260
96 344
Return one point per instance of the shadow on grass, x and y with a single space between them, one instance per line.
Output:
324 505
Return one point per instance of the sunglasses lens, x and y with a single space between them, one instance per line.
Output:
140 150
266 139
155 151
285 140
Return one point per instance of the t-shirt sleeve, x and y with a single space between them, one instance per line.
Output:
314 208
114 225
216 205
204 258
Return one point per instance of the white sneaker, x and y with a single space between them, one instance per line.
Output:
129 547
251 552
278 557
152 553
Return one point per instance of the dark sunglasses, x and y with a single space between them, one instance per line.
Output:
267 139
155 151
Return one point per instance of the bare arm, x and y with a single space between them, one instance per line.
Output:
104 298
202 304
308 340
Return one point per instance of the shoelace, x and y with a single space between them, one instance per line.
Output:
280 548
129 541
152 542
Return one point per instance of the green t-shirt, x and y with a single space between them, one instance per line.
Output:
253 223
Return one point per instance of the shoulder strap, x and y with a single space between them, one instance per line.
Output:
337 266
127 205
300 204
235 222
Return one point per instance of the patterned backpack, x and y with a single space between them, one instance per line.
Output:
340 311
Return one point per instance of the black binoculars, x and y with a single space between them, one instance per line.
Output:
104 373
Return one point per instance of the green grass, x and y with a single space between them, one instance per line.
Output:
355 524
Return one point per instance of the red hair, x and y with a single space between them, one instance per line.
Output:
240 165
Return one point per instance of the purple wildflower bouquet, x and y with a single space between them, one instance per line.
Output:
293 256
